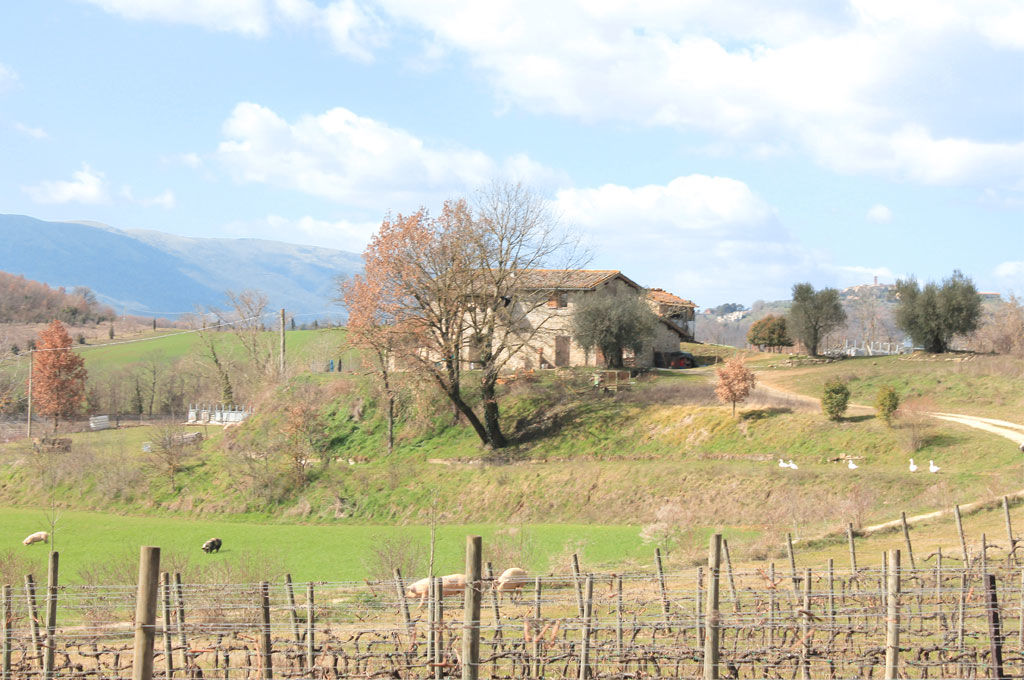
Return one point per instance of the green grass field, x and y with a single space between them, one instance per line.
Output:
308 552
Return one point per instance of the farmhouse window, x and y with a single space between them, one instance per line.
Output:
558 299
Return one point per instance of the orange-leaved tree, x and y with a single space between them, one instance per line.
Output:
735 381
58 374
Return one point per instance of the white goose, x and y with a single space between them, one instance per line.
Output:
783 464
850 464
913 465
792 465
932 467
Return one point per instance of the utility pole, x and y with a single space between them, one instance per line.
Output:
31 365
282 345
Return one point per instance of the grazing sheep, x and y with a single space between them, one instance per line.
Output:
451 584
212 546
38 537
511 581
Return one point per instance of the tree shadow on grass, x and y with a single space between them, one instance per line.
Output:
859 419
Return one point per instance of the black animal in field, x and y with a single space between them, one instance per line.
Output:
212 546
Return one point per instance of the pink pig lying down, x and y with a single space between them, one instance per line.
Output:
451 584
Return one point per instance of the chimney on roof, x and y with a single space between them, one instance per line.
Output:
876 280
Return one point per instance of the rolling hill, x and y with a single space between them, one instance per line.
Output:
151 273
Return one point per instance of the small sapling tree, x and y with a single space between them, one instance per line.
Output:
886 403
735 381
835 399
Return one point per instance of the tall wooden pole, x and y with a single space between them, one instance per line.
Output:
310 629
712 619
282 345
31 370
471 620
145 613
892 633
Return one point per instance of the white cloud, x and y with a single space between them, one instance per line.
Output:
1011 275
7 77
86 186
164 200
845 84
344 157
342 234
34 132
879 213
701 237
248 17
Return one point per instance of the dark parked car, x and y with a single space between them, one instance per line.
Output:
674 360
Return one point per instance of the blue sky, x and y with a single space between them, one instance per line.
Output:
721 150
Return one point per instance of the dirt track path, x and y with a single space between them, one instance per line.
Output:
1003 428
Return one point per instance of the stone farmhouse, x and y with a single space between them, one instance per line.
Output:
564 289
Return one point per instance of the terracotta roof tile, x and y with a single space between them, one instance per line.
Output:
664 297
569 279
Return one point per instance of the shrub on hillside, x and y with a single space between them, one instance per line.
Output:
835 399
886 403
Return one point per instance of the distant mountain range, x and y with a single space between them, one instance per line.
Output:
151 273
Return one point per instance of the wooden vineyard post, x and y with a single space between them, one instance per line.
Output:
771 605
906 538
494 607
960 533
792 568
831 601
145 613
266 651
577 583
8 614
438 628
33 618
179 594
1011 556
661 587
699 607
938 591
853 549
984 555
712 621
165 603
310 629
293 614
618 623
805 629
892 632
732 579
51 614
471 618
994 632
536 633
431 622
1020 622
588 604
402 603
961 611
